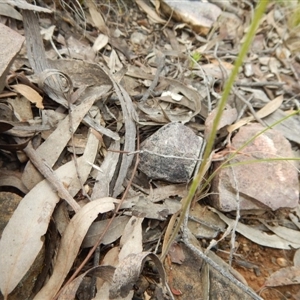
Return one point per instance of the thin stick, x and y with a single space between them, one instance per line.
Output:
237 218
50 175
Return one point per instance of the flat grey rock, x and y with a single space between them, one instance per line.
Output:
171 153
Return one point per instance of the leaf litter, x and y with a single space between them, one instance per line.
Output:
95 97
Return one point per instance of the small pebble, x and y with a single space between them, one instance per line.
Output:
282 262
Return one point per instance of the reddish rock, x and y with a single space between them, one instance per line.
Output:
268 185
162 152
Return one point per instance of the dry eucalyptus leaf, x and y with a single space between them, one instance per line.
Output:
148 209
21 244
129 116
110 259
100 42
114 231
51 149
268 109
30 94
132 238
289 127
257 236
97 18
103 272
22 4
284 232
71 242
284 276
4 126
150 12
9 11
10 43
21 239
108 168
12 178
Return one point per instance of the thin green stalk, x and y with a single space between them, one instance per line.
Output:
226 163
197 180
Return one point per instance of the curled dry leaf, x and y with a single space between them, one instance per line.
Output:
30 94
129 270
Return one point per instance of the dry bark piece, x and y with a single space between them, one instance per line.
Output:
171 153
260 184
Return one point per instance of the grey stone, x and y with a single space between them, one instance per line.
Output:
162 152
261 185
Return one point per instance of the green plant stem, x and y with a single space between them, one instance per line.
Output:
198 178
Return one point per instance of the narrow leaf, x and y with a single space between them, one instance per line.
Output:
70 244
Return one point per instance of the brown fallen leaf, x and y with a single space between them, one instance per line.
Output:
30 94
263 112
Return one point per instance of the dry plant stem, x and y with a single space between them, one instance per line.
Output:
209 261
237 218
92 250
197 180
260 84
48 173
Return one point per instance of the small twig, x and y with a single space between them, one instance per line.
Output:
233 233
209 261
52 178
202 222
260 84
137 97
161 65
